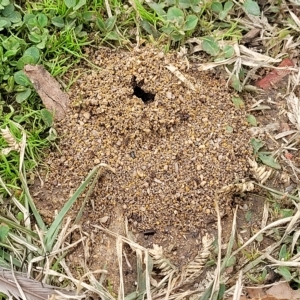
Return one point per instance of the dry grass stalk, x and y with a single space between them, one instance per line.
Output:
265 214
181 77
261 173
19 286
296 236
243 56
237 188
159 260
80 284
172 279
294 109
238 287
195 267
58 248
119 246
268 227
216 283
13 144
291 225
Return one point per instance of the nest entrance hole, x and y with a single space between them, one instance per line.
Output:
146 97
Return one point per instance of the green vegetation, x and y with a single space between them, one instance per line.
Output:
55 34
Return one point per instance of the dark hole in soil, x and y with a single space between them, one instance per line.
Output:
146 97
294 285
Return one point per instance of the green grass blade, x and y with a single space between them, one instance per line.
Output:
132 296
207 293
19 227
91 188
3 263
53 230
141 280
6 259
28 198
231 242
22 241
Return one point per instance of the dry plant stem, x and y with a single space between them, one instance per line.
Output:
265 285
257 261
278 192
40 258
81 285
67 270
295 239
108 10
95 283
127 261
128 241
238 287
91 189
292 166
16 202
119 246
16 282
265 215
195 267
272 225
216 283
58 247
295 257
169 288
87 274
148 286
276 262
109 13
291 226
181 77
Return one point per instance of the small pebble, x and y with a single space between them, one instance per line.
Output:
87 115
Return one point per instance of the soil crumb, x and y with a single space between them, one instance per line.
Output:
172 148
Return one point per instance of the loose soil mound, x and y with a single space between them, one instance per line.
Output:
172 148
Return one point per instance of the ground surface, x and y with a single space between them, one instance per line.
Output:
171 155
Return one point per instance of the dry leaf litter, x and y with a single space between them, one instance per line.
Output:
171 155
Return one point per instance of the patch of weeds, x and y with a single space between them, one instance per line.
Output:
110 288
264 156
106 28
4 229
35 124
251 7
252 120
177 20
222 9
16 239
236 78
251 254
280 210
52 34
238 102
48 33
258 278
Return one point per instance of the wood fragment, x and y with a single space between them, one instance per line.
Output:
48 89
250 35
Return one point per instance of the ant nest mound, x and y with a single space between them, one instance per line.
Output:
172 147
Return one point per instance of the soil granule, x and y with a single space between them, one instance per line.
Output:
172 148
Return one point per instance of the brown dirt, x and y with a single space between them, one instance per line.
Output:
171 155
